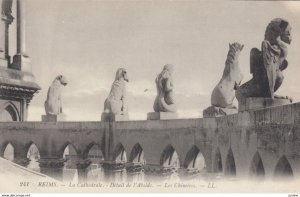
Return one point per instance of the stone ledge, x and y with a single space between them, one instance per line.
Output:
53 118
214 111
18 79
161 115
254 103
3 62
110 117
22 63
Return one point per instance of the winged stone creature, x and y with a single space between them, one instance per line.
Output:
266 66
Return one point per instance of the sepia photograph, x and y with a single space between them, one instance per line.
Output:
149 96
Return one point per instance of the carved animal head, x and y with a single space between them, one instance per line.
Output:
236 47
121 74
232 58
278 27
169 67
62 79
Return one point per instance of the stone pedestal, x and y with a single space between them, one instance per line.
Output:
214 111
110 117
135 172
161 115
114 171
253 103
53 118
52 167
3 62
21 62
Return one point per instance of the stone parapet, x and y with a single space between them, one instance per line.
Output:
272 133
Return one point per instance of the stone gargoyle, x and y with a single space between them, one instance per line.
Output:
164 101
224 93
267 65
116 101
53 104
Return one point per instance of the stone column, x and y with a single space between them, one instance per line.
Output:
21 60
114 171
21 24
135 172
82 169
5 21
3 60
160 173
52 167
23 115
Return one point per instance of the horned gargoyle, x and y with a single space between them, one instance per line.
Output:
224 93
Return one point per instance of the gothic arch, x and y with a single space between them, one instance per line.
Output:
169 157
29 145
4 149
137 154
63 148
194 159
91 146
9 112
257 168
33 153
120 153
283 168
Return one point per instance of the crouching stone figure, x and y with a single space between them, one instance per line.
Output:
53 103
115 105
224 93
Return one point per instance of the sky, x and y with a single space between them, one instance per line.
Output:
88 40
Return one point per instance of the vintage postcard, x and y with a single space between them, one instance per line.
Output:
149 96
